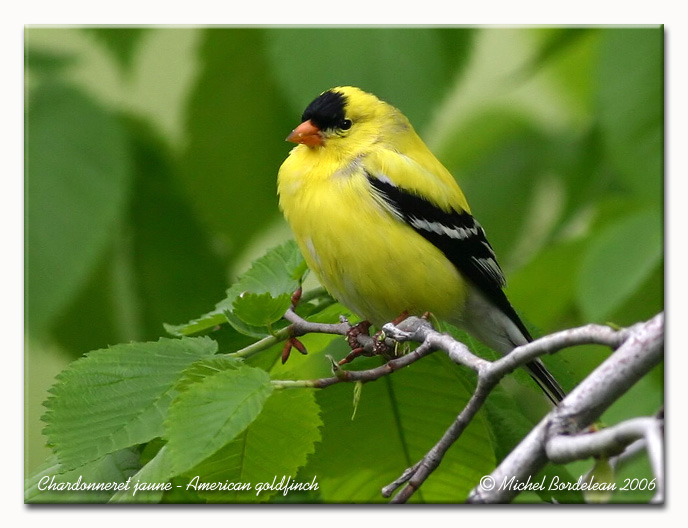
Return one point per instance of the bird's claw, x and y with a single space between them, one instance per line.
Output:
362 328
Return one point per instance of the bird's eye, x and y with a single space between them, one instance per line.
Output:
346 124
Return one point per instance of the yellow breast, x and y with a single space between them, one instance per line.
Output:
366 258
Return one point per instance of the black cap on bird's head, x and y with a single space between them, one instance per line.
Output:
324 113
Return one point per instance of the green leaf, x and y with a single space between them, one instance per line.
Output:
261 309
277 273
195 326
111 470
200 370
256 332
275 445
601 473
631 107
618 261
157 471
398 419
77 181
358 389
212 412
116 397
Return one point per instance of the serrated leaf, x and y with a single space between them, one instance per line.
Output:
158 471
113 469
277 273
237 324
195 326
200 370
261 309
116 397
212 412
276 444
300 271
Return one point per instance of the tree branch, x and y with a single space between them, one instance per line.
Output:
489 375
301 327
613 440
638 349
641 350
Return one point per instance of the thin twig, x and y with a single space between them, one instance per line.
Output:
419 472
341 375
300 327
562 449
626 437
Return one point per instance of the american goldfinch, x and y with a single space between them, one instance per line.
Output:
386 228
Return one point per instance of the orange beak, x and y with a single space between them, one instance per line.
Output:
306 134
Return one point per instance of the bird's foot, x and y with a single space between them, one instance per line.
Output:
362 328
380 347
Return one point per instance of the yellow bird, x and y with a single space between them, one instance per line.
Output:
386 228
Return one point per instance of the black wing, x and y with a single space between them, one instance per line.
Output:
458 235
462 239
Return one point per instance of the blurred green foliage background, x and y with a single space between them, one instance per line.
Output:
152 153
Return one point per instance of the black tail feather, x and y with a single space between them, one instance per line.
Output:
546 381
